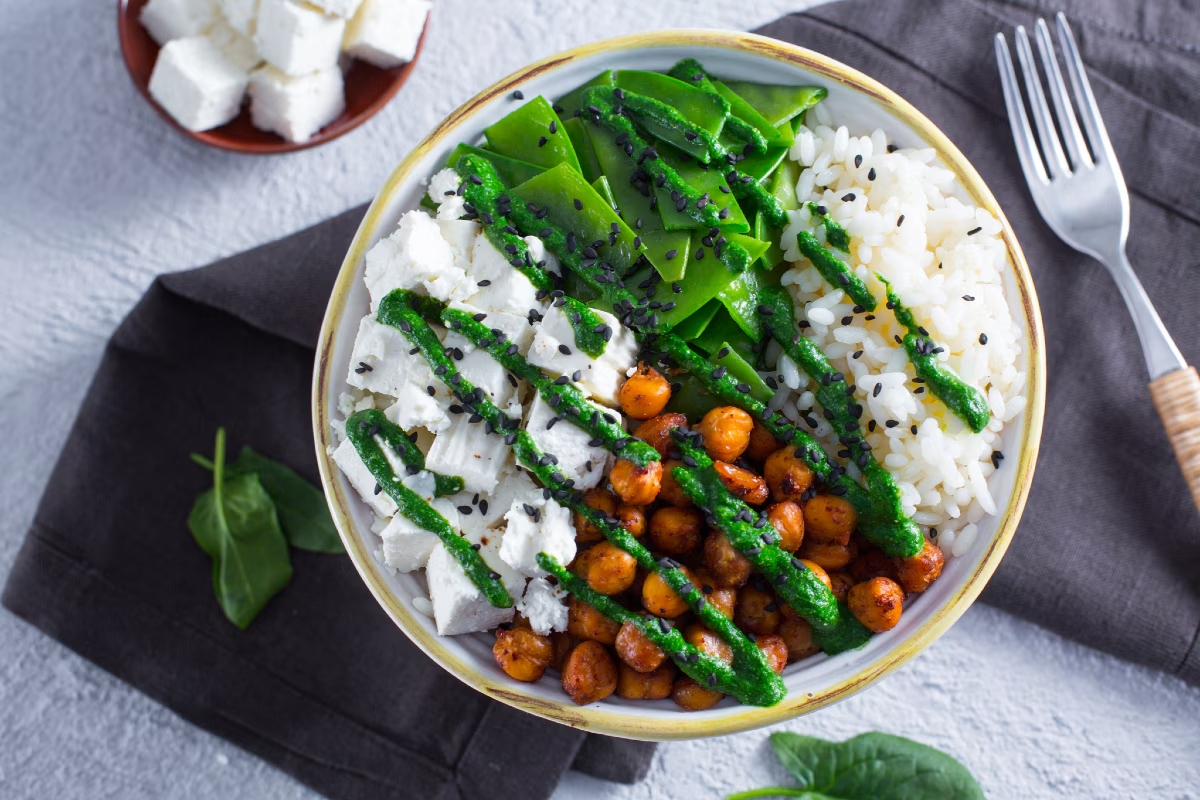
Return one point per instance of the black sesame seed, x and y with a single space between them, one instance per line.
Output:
983 338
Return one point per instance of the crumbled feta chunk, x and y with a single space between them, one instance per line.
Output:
235 46
385 32
240 14
508 290
577 461
406 545
296 38
415 256
295 107
549 530
166 20
458 605
347 459
480 369
542 604
466 449
460 235
338 8
416 408
601 377
196 84
385 350
515 328
422 605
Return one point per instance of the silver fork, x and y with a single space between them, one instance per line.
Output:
1077 186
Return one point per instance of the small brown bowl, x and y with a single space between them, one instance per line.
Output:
368 89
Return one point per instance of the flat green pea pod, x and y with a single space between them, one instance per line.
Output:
533 133
744 122
704 113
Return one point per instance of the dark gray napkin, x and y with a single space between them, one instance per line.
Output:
322 685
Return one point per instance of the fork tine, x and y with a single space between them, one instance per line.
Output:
1056 161
1027 154
1077 148
1089 112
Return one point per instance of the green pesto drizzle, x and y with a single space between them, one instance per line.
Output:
835 234
967 402
834 270
374 423
412 505
589 328
691 71
881 512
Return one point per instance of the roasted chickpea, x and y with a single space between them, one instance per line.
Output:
585 622
633 519
819 571
563 643
876 604
671 492
829 519
797 634
722 598
637 486
915 574
871 563
656 432
742 483
788 519
635 650
660 599
676 531
788 476
757 611
776 651
727 565
841 584
654 685
589 674
691 696
762 443
522 654
607 568
708 642
645 393
603 501
829 556
726 432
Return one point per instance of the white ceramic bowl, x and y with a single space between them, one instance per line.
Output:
854 100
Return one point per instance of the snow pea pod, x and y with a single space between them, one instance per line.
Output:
710 183
743 122
570 103
740 369
511 170
705 113
778 104
533 133
581 140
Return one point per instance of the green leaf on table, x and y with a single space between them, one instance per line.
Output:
300 506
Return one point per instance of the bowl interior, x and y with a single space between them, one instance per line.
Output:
368 89
853 100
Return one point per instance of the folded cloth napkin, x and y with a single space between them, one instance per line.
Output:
324 687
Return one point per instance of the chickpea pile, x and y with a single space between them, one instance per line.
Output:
597 657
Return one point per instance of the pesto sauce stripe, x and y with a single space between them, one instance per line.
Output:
587 326
835 271
835 235
373 421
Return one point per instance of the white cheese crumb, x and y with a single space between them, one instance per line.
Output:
543 605
196 84
549 531
554 350
577 461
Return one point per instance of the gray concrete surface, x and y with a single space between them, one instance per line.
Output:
97 196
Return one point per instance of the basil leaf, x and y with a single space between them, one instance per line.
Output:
301 507
874 765
236 525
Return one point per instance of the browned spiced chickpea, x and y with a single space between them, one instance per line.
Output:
660 599
727 565
762 443
603 501
633 519
676 531
841 584
654 685
829 519
589 674
656 432
871 563
797 634
742 483
787 476
637 486
757 611
726 432
819 571
563 643
788 520
708 642
691 696
522 654
585 622
722 598
608 569
776 651
918 572
829 556
876 604
636 650
671 492
645 393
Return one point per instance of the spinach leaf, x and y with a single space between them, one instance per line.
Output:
300 505
236 525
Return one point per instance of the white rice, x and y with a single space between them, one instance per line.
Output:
932 263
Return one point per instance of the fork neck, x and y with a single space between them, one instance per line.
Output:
1158 348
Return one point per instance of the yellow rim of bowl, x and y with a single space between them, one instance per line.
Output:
597 717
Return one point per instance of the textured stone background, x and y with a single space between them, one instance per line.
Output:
97 196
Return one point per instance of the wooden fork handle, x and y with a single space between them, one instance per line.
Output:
1177 398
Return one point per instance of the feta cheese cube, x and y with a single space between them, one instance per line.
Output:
346 457
235 46
240 14
296 38
196 84
577 461
415 256
166 20
509 290
460 235
443 191
467 450
416 408
549 530
385 350
601 377
481 369
406 545
385 32
543 605
458 605
338 8
295 108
